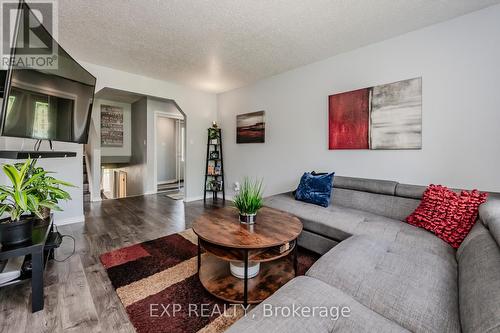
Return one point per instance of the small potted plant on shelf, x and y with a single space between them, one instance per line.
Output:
211 185
22 201
213 135
249 200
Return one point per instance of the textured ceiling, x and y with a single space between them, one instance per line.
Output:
219 45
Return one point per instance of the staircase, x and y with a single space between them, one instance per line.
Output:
86 189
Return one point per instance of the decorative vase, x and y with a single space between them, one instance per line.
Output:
13 233
248 218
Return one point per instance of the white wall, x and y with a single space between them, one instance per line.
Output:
200 109
126 149
458 63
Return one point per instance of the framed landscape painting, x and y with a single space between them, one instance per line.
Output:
388 116
250 127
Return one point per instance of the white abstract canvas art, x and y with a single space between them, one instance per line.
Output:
388 116
396 115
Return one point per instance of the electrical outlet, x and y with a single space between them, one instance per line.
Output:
236 187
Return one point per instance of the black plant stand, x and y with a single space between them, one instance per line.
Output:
216 177
40 249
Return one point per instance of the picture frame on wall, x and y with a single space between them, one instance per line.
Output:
111 126
384 117
251 127
214 155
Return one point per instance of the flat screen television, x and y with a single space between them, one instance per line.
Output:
47 104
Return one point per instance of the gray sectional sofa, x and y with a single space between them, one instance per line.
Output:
393 277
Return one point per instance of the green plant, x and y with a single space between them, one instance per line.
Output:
213 133
47 188
211 184
29 191
249 199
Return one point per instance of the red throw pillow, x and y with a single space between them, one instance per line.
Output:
448 215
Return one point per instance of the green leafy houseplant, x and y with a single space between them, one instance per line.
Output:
249 200
213 133
30 191
47 189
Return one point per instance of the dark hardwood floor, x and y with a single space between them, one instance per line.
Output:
78 294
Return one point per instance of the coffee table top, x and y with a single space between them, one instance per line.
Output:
272 228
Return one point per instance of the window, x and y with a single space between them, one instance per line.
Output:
41 120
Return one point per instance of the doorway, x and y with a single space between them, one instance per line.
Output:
170 154
131 168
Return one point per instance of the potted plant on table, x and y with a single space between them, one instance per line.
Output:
48 189
249 200
24 199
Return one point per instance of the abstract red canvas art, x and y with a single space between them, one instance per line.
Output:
387 116
348 116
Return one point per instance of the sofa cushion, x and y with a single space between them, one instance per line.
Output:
450 216
379 204
417 289
335 221
315 189
410 191
365 185
339 223
406 235
307 292
384 205
479 281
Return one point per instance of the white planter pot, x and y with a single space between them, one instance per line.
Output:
238 269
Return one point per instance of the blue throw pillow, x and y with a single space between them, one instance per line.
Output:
315 189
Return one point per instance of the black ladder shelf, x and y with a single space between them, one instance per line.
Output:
214 168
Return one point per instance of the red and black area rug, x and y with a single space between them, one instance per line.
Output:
158 284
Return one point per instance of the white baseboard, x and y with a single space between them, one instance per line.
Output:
229 197
193 198
135 195
69 220
168 181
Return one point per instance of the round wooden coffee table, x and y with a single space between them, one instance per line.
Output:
270 243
